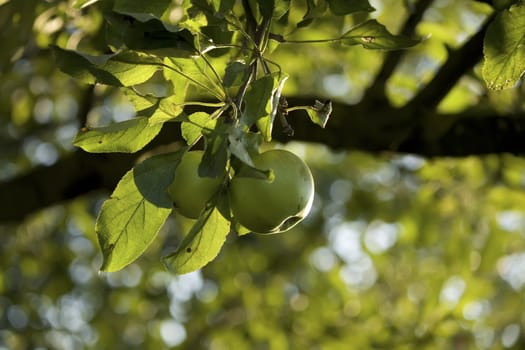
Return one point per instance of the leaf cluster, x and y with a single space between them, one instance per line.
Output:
212 54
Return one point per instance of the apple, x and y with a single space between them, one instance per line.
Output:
188 191
276 204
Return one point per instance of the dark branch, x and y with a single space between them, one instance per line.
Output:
376 91
458 63
350 128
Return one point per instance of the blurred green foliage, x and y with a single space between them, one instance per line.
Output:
400 252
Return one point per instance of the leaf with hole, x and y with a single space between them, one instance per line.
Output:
131 218
202 244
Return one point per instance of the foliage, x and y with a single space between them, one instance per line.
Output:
399 251
145 42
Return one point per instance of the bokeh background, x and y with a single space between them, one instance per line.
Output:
399 252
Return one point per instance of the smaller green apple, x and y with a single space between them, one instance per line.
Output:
277 204
188 191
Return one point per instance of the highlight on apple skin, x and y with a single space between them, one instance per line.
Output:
277 204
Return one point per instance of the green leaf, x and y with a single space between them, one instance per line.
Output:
125 68
320 112
139 101
130 220
202 244
142 10
128 136
166 109
130 68
262 102
265 124
373 35
273 8
223 6
238 145
192 128
77 66
314 9
152 36
235 74
216 153
504 48
257 100
195 70
345 7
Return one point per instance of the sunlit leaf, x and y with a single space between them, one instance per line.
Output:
202 244
130 68
130 220
195 71
192 128
166 109
128 136
121 69
373 35
504 48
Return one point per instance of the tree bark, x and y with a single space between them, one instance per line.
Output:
350 128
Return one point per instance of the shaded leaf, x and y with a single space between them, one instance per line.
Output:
373 35
262 102
257 100
265 124
142 10
238 147
504 48
128 136
235 74
320 112
152 36
202 244
345 7
314 9
216 153
130 220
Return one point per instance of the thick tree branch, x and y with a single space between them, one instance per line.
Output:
72 176
351 128
376 91
458 63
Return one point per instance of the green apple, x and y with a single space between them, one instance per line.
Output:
188 191
276 204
